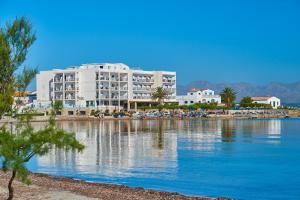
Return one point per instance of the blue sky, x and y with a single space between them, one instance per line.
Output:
219 41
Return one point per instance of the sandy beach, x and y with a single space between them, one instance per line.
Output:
56 188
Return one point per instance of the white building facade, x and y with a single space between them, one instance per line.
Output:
199 96
273 101
102 85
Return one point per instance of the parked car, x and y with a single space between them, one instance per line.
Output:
119 115
138 115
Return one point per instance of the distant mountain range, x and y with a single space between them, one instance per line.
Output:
287 92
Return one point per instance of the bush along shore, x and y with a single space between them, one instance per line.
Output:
52 187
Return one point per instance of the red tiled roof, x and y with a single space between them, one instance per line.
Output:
21 93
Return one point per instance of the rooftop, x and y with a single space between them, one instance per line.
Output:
197 90
261 98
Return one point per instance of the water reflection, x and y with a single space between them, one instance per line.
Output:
149 148
118 148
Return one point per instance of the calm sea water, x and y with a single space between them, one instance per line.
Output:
244 159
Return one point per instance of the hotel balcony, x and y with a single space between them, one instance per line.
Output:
142 88
58 78
70 96
143 80
69 87
70 78
58 89
169 81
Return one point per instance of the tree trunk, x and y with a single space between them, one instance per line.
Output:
10 187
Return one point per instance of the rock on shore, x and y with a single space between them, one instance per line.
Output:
56 188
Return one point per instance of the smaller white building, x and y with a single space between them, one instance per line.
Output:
273 101
199 96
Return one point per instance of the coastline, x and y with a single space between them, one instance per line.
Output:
55 187
212 117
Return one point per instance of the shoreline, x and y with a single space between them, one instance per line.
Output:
89 118
57 187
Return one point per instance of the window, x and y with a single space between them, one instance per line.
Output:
185 102
192 101
101 67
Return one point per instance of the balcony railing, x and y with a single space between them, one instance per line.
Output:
124 97
142 89
70 88
58 89
103 97
104 78
104 88
70 79
142 97
143 80
168 81
70 97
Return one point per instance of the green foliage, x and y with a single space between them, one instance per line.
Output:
228 96
159 94
24 79
15 40
246 102
18 146
6 100
57 106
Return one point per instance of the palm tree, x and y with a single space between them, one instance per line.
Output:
228 96
159 94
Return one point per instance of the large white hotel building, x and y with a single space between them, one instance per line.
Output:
103 85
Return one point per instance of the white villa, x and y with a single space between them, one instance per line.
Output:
102 85
273 101
199 96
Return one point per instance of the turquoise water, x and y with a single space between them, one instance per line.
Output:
243 159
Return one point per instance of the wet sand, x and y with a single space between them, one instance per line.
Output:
56 188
